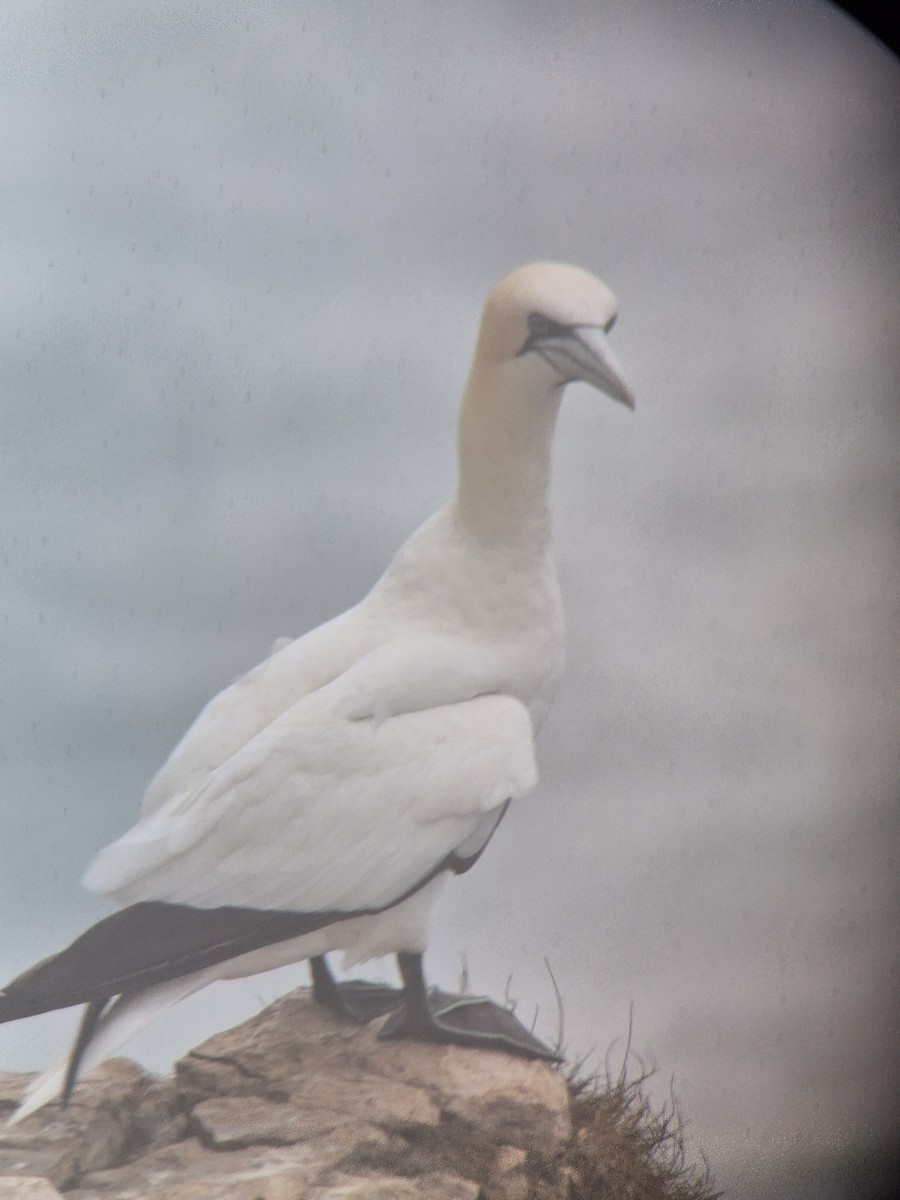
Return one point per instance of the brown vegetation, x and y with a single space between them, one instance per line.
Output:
624 1149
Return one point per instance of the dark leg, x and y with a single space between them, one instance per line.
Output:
357 999
416 1019
324 988
438 1016
92 1014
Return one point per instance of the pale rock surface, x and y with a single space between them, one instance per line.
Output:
297 1104
20 1187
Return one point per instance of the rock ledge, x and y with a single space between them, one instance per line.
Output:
296 1104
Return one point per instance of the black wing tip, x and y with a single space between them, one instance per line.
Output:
144 944
16 1004
153 941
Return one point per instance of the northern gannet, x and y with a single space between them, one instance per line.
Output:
318 803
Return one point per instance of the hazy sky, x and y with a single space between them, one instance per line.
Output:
243 249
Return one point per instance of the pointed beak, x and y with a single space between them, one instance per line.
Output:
584 354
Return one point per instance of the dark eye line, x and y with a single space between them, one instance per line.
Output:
542 326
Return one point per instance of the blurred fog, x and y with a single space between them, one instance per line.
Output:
243 249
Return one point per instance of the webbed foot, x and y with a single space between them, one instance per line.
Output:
437 1016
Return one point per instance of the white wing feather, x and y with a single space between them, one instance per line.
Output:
327 813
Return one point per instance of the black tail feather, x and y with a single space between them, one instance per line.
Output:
92 1015
148 943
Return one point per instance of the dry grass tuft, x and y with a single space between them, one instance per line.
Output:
625 1149
622 1148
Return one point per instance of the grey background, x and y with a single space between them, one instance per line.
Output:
243 250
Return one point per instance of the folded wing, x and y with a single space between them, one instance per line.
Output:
328 815
311 823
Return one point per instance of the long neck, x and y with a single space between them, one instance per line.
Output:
504 442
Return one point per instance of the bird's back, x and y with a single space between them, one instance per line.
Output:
464 619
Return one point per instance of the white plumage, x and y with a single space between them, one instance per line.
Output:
350 763
362 809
